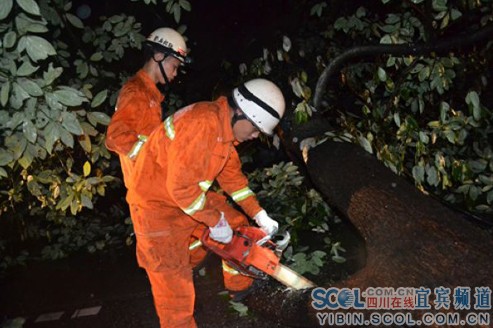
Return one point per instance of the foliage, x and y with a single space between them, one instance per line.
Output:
173 7
427 117
299 210
14 323
58 81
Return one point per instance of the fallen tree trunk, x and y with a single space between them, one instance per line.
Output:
412 240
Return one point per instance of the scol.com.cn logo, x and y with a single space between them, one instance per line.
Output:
442 309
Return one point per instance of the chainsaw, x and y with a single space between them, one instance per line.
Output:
254 253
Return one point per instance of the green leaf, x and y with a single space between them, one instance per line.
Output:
419 173
71 124
472 98
386 39
67 138
74 20
478 166
176 12
100 98
86 201
439 5
74 207
4 93
38 48
97 56
19 92
382 75
17 145
241 308
51 134
5 157
3 173
432 176
29 6
423 137
52 74
26 69
454 14
5 8
30 131
31 87
338 259
474 192
98 117
85 143
89 130
185 5
9 39
65 202
365 144
26 160
26 24
489 197
69 97
397 119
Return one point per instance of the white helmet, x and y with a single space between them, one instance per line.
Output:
170 42
262 103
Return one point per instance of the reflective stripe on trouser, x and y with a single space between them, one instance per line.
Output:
234 280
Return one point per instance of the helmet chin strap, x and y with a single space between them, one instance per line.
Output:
237 117
165 89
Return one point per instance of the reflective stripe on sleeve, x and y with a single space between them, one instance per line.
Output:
169 127
242 194
205 185
197 205
132 154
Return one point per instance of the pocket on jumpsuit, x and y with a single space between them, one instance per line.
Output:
160 251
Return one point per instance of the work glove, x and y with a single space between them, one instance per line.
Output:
221 232
263 220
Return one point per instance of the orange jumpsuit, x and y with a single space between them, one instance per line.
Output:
170 198
137 114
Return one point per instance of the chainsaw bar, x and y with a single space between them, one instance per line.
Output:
290 278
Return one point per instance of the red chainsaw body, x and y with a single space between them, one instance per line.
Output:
244 254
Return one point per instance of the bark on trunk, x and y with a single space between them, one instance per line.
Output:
412 240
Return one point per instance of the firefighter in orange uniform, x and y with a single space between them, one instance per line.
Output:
170 196
138 110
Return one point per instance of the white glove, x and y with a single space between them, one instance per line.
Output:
221 232
268 225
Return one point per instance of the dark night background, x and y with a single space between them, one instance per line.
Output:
218 31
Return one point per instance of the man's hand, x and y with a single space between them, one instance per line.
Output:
221 232
268 225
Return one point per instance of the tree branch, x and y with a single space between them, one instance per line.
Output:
439 47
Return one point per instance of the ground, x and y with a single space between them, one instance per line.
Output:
107 290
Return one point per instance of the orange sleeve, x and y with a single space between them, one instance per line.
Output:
235 183
122 131
189 156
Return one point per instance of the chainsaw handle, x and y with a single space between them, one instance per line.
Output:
265 239
281 244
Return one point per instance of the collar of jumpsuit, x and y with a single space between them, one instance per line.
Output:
150 85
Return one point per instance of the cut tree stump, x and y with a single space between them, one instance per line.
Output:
412 240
